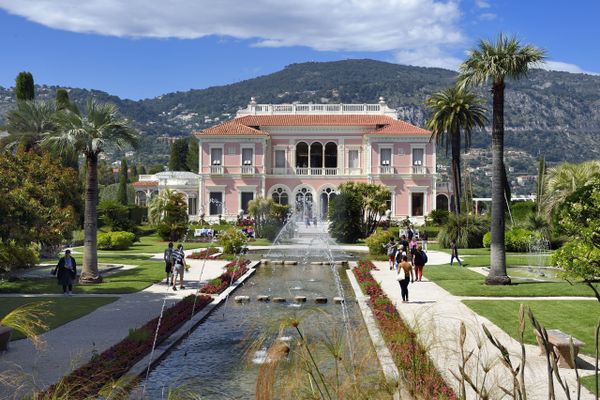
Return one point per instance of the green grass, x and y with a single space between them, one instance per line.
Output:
463 282
63 309
574 317
481 257
145 274
588 382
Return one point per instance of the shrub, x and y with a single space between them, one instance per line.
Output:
438 217
377 241
270 231
14 256
516 239
521 210
115 240
171 232
232 241
115 215
466 230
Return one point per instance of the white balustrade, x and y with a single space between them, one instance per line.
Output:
247 170
271 109
302 171
419 169
331 171
216 169
386 170
316 171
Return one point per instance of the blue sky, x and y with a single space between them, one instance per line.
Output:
142 48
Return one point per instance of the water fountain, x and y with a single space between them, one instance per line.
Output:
538 251
211 359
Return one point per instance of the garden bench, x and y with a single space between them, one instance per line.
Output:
561 346
5 333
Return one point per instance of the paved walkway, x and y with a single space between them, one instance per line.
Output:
435 315
72 344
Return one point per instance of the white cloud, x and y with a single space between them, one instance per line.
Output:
427 57
566 67
405 27
487 16
482 4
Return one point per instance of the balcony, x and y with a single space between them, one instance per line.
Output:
217 170
419 170
386 170
248 170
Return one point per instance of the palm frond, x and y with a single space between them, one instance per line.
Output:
28 319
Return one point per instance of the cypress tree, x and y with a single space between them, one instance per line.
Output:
62 99
122 192
134 173
24 89
179 151
142 170
192 158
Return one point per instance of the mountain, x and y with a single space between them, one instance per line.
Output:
556 114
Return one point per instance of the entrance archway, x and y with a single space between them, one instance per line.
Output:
441 202
327 194
304 199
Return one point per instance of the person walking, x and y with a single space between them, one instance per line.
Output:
410 233
413 249
404 277
454 250
424 237
168 257
391 252
179 265
66 272
419 261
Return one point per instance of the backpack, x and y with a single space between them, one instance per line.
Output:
168 256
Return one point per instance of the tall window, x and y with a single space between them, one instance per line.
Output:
417 156
247 156
216 156
353 159
385 157
192 205
279 158
215 206
246 198
417 204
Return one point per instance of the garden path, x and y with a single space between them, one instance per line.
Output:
435 315
72 344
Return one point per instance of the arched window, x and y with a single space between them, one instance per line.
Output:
327 194
304 203
441 202
280 196
331 155
316 155
302 155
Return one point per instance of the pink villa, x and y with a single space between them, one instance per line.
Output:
298 154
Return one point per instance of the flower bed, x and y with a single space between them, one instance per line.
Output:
421 376
233 271
202 254
105 368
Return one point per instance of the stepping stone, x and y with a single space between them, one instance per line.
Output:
316 263
338 300
300 299
321 300
278 300
242 299
263 298
290 262
277 262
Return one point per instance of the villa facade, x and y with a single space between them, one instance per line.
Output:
298 154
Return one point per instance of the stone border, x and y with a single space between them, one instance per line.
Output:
140 368
390 370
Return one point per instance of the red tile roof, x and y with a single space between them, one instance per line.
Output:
145 183
250 124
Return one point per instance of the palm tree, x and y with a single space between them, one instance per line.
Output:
159 206
495 62
90 135
28 122
455 109
564 179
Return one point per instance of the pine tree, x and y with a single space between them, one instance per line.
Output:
122 192
179 151
24 87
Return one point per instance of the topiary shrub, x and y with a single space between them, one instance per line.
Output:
516 239
377 241
232 240
466 230
115 240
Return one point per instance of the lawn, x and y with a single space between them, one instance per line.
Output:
481 257
574 317
64 309
464 282
145 274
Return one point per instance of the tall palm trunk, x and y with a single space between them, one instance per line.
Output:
456 178
89 273
497 275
